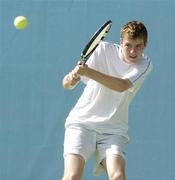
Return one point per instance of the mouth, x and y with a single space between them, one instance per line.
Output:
133 57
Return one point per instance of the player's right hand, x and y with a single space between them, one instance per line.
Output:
70 80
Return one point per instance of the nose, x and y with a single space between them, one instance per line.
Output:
133 50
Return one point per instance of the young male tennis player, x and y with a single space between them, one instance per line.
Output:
98 123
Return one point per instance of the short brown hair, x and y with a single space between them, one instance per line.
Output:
134 29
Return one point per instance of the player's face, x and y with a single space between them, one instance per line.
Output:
132 49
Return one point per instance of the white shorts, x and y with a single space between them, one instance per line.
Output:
86 143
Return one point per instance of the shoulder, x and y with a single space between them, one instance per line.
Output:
144 67
105 44
108 46
145 63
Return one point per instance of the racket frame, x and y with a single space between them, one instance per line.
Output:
84 56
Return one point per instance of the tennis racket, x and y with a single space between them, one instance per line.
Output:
95 40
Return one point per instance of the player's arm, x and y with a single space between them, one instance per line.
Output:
114 83
70 80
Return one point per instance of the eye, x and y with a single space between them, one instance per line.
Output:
139 46
127 45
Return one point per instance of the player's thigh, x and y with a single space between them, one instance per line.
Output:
79 144
79 141
111 153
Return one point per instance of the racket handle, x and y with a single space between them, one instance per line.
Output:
81 62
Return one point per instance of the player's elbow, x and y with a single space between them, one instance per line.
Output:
121 89
125 85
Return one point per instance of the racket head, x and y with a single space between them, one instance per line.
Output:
95 40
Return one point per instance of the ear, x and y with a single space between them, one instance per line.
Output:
121 41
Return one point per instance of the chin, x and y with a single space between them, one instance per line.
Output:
130 60
133 61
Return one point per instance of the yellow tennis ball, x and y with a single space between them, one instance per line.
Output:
20 22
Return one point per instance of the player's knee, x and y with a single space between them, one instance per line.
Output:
117 176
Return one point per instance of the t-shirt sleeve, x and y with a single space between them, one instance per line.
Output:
137 77
139 72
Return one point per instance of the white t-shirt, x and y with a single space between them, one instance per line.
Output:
100 108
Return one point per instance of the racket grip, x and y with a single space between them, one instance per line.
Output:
81 62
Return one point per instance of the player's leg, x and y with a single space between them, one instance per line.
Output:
111 155
73 167
115 167
79 145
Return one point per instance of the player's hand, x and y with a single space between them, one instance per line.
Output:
70 80
81 68
74 76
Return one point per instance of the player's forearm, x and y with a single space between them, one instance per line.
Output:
114 83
